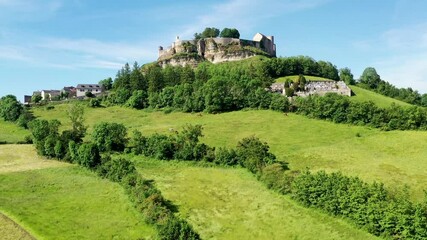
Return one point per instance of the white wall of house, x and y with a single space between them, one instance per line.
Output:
81 92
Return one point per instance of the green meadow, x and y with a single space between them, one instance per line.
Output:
395 158
230 203
54 200
361 95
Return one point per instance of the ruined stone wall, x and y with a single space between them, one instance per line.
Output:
316 88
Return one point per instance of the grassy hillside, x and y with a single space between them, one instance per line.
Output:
224 203
381 100
395 158
11 133
61 201
295 77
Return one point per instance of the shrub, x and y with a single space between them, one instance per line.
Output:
176 229
160 147
95 102
254 154
226 157
110 136
88 155
116 169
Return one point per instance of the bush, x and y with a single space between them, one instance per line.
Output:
110 136
88 155
254 154
279 103
116 169
95 102
226 157
176 229
160 147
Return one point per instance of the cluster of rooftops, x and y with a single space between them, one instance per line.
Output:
79 91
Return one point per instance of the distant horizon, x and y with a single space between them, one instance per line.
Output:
49 44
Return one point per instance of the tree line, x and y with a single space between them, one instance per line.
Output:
340 109
371 80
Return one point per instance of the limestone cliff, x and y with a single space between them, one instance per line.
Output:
215 50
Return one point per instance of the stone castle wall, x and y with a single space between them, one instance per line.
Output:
214 49
316 88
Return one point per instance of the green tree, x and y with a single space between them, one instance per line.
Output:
210 32
138 100
254 154
88 155
75 113
36 98
137 80
155 79
230 33
370 77
110 136
107 84
10 108
347 76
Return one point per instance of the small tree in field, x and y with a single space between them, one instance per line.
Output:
110 136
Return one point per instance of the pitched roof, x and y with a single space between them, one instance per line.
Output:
88 86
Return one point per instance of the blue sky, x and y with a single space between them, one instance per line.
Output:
48 44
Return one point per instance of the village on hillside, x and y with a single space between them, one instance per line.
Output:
79 92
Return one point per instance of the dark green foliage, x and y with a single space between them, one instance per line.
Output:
347 76
230 33
279 103
254 154
138 142
95 102
110 136
340 109
138 100
370 206
277 178
177 229
116 169
106 84
370 78
89 94
159 146
24 119
36 98
187 146
226 157
210 32
10 108
280 67
88 155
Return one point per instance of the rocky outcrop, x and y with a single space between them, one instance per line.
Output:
215 50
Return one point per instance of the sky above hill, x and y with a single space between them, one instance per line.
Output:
49 44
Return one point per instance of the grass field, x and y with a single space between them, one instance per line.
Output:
382 101
11 133
225 203
62 201
395 158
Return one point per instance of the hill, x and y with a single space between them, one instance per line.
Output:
361 94
54 200
295 77
295 139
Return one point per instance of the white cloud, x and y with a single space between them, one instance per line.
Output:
245 14
400 55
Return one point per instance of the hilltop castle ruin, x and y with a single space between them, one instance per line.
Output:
216 50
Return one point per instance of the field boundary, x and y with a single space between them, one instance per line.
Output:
23 227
